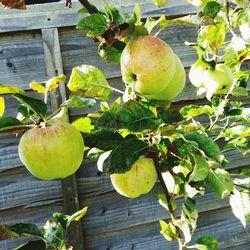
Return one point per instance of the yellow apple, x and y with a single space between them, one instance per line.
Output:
218 81
176 85
140 179
148 65
51 152
196 75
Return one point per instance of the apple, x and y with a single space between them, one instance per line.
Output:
219 80
199 3
176 85
140 179
52 152
196 75
148 65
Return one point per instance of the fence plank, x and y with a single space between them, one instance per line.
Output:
69 187
57 15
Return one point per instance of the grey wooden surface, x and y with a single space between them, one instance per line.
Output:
112 222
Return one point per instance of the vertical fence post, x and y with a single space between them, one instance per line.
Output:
54 67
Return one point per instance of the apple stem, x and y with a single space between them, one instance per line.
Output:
170 207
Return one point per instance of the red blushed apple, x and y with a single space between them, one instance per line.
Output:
52 152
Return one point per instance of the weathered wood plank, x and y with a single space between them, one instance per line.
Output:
57 15
218 223
22 59
20 188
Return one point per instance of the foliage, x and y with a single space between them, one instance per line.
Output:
50 236
187 144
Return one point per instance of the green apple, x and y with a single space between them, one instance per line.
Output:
218 81
140 179
52 152
176 85
148 65
196 75
199 3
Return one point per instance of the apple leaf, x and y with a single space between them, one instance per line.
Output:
31 245
151 23
79 102
111 53
126 154
114 15
25 111
94 153
9 89
207 243
83 124
8 123
159 3
168 230
77 216
89 81
169 115
135 117
2 106
195 110
36 105
219 180
101 160
54 233
240 91
207 145
103 139
184 227
200 169
239 131
95 24
212 9
241 144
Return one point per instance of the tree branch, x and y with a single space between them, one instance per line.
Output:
91 9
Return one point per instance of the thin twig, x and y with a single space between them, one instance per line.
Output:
88 6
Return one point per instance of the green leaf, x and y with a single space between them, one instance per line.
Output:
111 53
79 102
31 245
60 118
169 115
126 154
219 180
114 15
77 216
240 204
25 111
240 91
89 81
208 243
95 24
136 15
83 124
200 170
2 106
94 153
152 22
25 229
236 132
159 3
184 227
168 230
103 139
36 105
54 233
196 110
207 145
8 122
9 89
212 9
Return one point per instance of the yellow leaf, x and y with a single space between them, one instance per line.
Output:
37 87
10 89
83 125
2 106
53 82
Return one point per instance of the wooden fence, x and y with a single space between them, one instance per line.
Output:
42 42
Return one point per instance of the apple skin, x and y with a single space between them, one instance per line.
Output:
148 65
196 75
52 152
140 179
177 84
218 81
